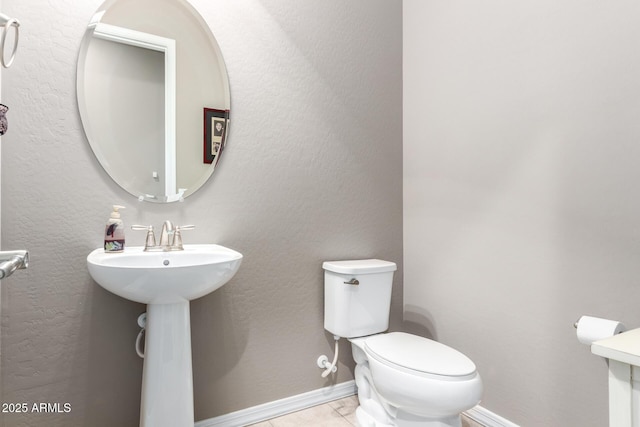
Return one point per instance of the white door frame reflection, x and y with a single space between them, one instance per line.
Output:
167 47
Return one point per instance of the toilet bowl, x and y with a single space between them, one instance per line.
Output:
416 381
403 380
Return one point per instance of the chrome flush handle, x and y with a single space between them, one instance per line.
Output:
353 281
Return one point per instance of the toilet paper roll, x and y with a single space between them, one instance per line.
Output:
590 329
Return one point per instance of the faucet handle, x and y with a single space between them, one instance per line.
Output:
177 238
151 238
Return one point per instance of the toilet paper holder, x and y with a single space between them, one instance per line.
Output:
590 329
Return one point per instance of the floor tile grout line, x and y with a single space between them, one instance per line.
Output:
342 416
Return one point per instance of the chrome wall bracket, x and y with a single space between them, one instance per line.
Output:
11 261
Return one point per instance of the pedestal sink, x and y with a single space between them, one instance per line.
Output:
166 281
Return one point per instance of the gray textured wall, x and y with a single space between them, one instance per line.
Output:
521 192
312 172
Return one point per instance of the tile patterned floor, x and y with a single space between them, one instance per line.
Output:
339 413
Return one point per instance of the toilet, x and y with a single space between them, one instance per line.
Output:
403 380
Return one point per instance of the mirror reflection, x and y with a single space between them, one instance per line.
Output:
153 96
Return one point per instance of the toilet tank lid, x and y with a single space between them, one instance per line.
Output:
360 266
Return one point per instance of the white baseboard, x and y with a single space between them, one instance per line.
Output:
281 407
299 402
488 418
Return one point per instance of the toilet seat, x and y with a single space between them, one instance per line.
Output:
419 356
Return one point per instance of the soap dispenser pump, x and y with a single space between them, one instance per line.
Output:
114 232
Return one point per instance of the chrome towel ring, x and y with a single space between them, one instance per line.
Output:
8 23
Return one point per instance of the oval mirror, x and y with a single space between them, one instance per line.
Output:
153 95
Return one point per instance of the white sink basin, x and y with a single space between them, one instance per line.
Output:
166 281
164 277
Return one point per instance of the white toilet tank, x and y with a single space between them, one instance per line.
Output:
357 296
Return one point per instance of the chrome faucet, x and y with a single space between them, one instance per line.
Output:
170 237
167 236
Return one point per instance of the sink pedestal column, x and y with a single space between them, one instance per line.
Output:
167 378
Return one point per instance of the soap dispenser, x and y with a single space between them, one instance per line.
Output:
114 232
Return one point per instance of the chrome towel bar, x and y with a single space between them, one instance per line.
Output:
11 261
